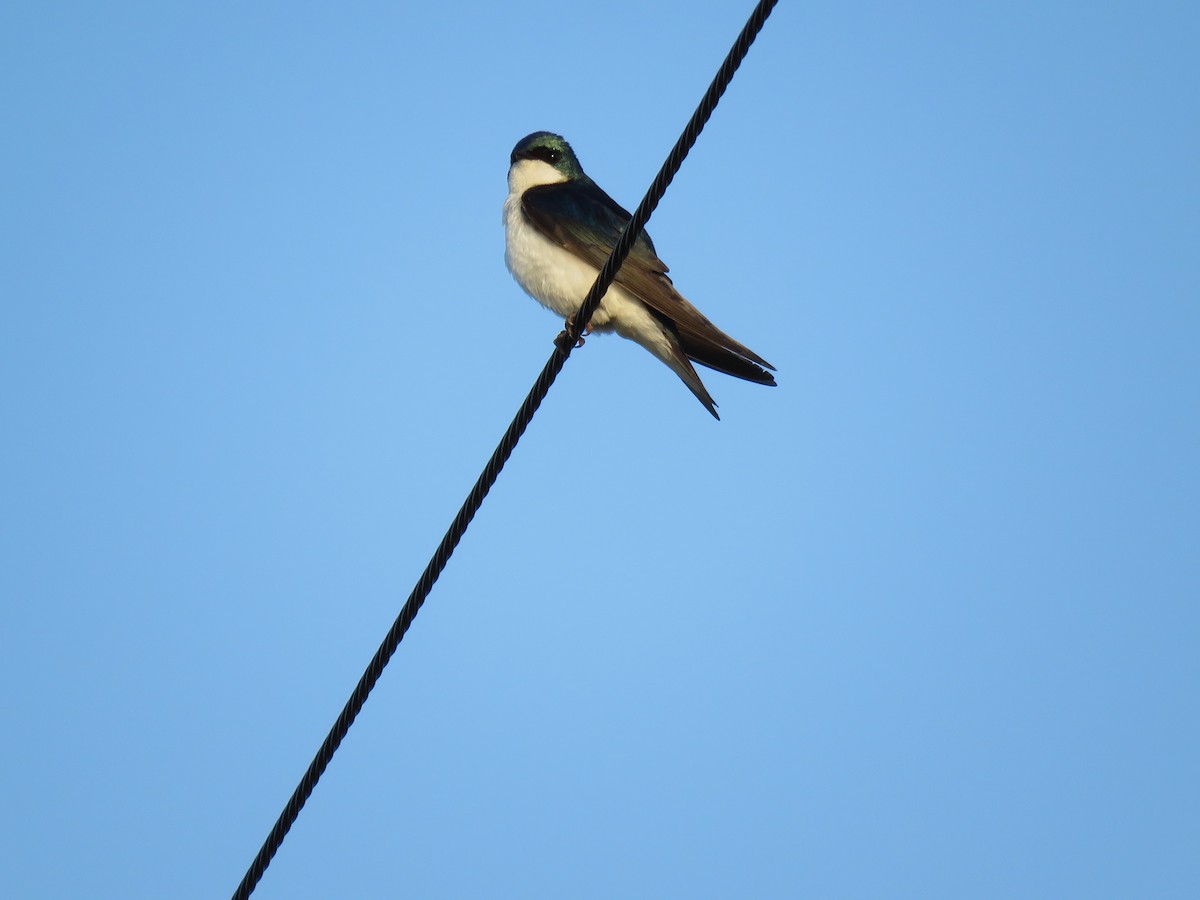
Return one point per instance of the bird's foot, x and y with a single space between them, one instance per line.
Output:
563 341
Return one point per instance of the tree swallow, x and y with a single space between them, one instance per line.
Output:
560 228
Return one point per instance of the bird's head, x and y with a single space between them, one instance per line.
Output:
542 158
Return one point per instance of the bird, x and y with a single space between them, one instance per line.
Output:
560 227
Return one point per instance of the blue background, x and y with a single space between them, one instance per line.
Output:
922 621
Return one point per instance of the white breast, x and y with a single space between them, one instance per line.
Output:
553 276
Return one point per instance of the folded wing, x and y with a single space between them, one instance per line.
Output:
579 216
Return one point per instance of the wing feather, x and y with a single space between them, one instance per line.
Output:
580 217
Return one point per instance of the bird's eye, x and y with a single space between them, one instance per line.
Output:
554 156
547 154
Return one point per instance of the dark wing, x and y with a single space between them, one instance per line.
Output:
580 217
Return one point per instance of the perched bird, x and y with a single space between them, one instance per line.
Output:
560 228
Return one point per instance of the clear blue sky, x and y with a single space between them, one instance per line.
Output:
920 622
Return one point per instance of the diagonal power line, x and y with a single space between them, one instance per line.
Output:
502 452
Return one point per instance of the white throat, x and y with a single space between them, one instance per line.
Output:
527 173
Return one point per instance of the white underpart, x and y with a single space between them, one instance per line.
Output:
559 280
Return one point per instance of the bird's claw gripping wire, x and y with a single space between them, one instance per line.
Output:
563 341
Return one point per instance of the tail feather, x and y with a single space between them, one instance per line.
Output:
724 359
680 365
705 343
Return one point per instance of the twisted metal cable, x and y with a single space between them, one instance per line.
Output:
502 452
